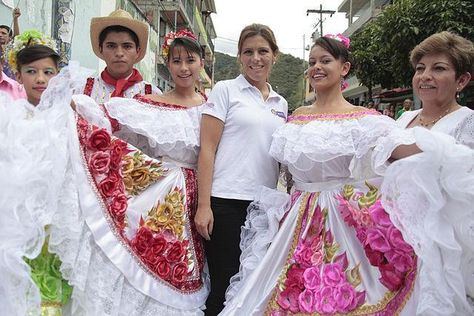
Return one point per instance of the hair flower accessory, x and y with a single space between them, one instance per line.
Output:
26 39
341 38
171 36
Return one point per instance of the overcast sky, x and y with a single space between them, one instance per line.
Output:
287 19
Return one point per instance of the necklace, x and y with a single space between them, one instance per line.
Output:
433 122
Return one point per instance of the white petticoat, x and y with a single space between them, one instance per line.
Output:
430 198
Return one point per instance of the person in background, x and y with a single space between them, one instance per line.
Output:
236 130
6 35
121 42
389 110
407 104
9 86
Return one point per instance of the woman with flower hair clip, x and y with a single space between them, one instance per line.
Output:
330 248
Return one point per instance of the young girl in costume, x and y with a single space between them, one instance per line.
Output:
35 61
131 248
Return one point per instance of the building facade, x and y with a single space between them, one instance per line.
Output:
68 22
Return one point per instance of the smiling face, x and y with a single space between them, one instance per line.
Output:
435 82
325 71
35 77
257 59
184 67
120 53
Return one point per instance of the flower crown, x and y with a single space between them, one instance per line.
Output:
26 39
341 38
170 37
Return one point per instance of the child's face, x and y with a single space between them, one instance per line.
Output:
35 77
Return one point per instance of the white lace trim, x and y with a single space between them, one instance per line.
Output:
261 225
429 197
300 145
32 167
173 130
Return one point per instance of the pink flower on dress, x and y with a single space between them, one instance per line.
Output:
401 260
119 204
345 297
99 162
325 301
312 278
108 187
289 299
346 210
378 214
307 301
333 274
397 241
376 258
377 239
364 218
303 255
391 278
294 276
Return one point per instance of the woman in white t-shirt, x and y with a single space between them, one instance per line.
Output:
236 129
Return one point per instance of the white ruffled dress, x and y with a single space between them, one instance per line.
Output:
430 198
120 221
330 248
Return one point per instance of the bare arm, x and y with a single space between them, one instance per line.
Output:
16 25
211 132
403 151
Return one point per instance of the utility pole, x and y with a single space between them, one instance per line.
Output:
321 12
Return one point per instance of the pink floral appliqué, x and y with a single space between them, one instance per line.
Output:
383 242
316 278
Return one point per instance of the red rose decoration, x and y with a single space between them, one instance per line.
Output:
118 150
176 252
108 187
99 162
99 140
119 204
163 268
143 238
159 244
179 273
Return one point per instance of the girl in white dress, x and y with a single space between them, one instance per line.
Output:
333 249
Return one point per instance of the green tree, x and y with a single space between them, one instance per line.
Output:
381 49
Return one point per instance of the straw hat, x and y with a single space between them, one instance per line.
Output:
121 18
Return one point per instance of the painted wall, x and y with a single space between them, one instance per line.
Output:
37 14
